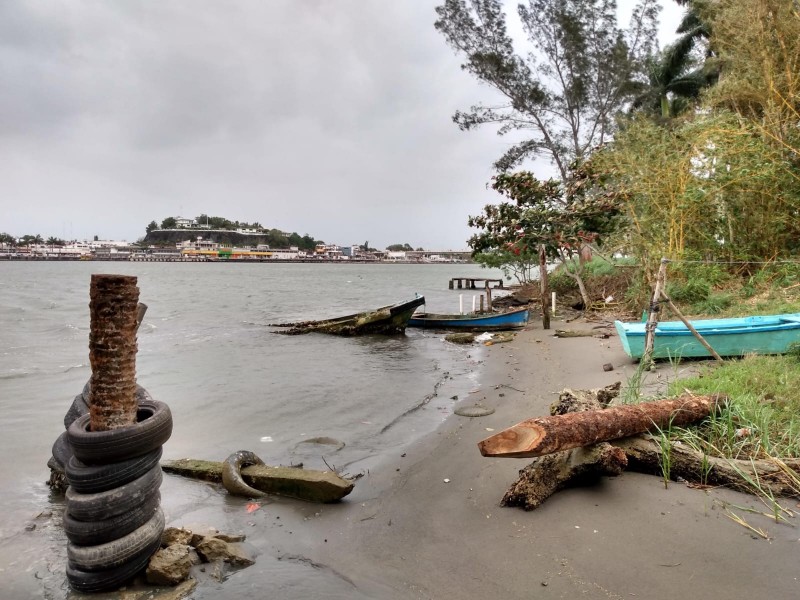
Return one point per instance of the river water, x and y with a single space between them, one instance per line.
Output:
206 349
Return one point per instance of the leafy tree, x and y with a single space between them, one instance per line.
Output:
295 239
309 243
151 227
708 186
8 239
546 213
169 223
520 265
54 241
399 248
565 94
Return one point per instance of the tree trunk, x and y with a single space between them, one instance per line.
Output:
544 435
548 474
112 351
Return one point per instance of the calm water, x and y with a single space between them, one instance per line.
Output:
206 349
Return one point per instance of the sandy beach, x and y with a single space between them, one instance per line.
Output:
407 533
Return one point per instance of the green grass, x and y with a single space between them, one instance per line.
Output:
762 417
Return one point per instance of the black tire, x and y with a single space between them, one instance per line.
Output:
153 428
119 551
109 579
105 505
80 405
62 450
91 533
90 479
78 408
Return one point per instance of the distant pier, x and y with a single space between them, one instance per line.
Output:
470 283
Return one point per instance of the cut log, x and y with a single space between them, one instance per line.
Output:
545 435
305 484
548 474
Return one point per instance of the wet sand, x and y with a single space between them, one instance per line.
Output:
410 534
406 533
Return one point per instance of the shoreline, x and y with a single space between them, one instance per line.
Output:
406 533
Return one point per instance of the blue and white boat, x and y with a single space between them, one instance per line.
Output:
769 334
514 319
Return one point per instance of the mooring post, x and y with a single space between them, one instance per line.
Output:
113 308
652 316
544 287
451 284
481 302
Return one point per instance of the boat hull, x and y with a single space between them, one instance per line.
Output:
515 319
769 334
386 320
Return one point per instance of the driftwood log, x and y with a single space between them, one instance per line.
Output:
641 453
545 435
548 474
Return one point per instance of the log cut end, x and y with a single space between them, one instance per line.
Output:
514 442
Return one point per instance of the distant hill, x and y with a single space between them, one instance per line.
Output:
170 237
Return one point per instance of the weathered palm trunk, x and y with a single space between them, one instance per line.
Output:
545 435
113 301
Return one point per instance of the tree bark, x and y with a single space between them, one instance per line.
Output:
545 435
548 474
112 351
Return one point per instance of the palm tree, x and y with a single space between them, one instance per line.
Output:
682 70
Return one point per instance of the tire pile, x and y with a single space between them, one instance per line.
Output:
113 518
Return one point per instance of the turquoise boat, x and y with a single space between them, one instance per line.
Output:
769 334
513 319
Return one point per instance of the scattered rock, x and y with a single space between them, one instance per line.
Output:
608 367
212 549
460 338
170 565
174 535
183 553
476 410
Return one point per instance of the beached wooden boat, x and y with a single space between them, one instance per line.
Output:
514 319
386 320
770 334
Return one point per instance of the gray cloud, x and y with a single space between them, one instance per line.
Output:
328 118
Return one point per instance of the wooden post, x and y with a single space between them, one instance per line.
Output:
652 316
460 283
544 287
450 285
481 302
488 298
691 328
112 351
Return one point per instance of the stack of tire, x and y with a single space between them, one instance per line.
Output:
113 518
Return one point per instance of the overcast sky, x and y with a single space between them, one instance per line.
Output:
326 117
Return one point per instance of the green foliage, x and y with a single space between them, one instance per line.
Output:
715 304
169 223
762 417
400 248
152 226
519 266
691 291
552 92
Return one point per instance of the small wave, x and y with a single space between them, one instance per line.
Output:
15 374
73 367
